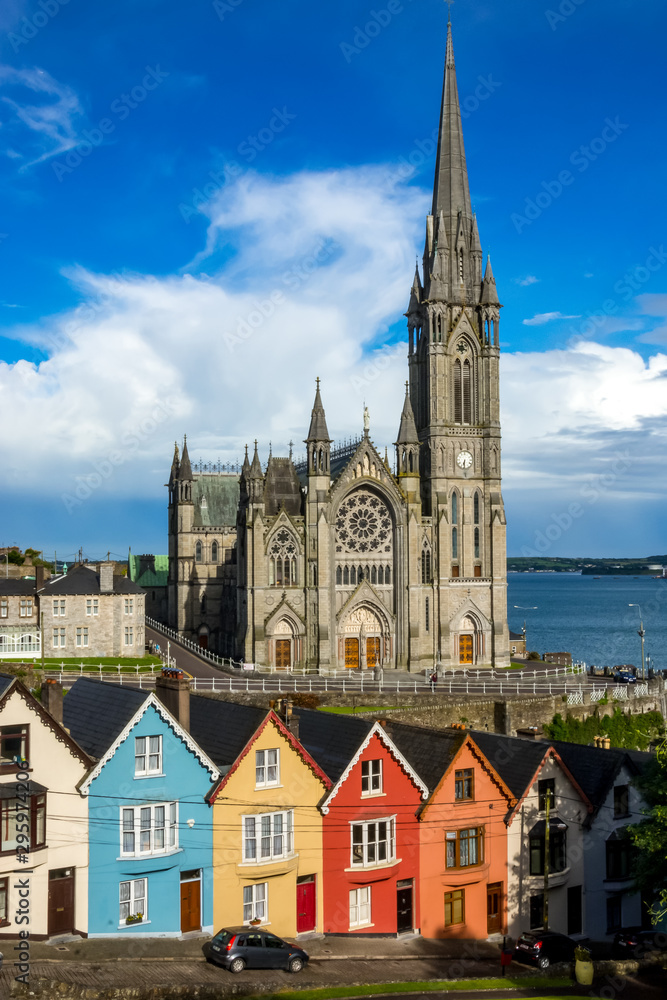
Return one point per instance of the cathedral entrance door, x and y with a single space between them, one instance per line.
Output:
283 654
465 649
203 641
372 652
352 653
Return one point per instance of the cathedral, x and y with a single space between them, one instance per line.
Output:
341 561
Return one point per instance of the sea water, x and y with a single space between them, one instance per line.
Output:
590 617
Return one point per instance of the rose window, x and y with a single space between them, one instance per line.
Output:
363 524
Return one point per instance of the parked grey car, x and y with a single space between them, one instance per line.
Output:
239 948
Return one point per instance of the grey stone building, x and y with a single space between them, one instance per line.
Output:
341 561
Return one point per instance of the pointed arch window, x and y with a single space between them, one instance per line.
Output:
380 575
426 563
476 543
353 575
476 509
283 552
455 543
467 392
339 576
387 575
198 552
214 552
455 508
374 574
458 405
346 576
203 604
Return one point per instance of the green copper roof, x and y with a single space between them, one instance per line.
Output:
148 570
216 500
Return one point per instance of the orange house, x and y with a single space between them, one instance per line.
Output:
463 849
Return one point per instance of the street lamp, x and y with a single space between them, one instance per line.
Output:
641 633
520 607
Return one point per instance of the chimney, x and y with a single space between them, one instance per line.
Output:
283 709
106 577
52 699
173 690
39 577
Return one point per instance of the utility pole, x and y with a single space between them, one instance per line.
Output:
641 632
545 908
41 636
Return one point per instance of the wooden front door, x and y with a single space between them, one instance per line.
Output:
305 904
352 653
61 901
465 649
191 904
494 916
372 652
283 654
404 909
203 642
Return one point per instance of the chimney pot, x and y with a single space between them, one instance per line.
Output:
52 699
106 577
173 690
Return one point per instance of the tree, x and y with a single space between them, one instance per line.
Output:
649 864
15 557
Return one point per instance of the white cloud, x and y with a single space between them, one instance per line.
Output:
530 279
144 359
42 127
541 318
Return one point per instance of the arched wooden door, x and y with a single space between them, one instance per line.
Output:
465 649
372 652
351 653
283 654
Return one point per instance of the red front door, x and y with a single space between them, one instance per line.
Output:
203 642
305 904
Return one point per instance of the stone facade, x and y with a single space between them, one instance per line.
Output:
89 613
342 561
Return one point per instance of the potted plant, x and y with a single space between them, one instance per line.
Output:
134 918
583 966
255 922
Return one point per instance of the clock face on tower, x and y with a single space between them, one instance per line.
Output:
464 460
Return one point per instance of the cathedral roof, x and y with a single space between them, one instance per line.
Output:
282 487
216 500
148 570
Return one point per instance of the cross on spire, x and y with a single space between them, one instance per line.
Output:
449 10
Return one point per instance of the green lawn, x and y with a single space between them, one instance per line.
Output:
438 986
92 663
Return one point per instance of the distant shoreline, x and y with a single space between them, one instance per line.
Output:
655 566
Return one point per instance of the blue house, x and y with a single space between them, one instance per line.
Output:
150 829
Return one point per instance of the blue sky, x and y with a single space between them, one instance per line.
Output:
168 167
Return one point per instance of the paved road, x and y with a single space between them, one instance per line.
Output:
186 660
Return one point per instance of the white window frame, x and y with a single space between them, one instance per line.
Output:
140 826
137 893
267 768
371 777
59 638
4 607
370 849
129 635
256 902
25 607
82 636
360 906
272 835
145 751
129 606
58 607
92 606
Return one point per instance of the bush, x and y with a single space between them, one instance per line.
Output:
534 655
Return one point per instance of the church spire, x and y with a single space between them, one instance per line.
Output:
255 471
451 193
318 421
185 470
489 290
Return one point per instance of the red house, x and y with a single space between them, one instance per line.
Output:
371 842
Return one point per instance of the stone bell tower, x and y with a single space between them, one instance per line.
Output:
453 323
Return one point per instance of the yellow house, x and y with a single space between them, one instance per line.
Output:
267 835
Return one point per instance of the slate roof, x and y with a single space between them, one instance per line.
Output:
96 713
17 588
5 681
428 752
148 570
595 769
222 728
221 493
84 580
516 760
331 740
282 487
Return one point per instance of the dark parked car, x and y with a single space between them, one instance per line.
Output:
633 942
239 948
544 948
624 677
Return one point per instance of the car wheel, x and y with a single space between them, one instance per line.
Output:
237 965
543 962
296 965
